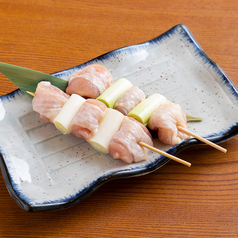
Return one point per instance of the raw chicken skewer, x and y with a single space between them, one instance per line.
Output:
124 97
160 114
171 122
138 140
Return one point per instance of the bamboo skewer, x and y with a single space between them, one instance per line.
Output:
165 154
203 139
32 94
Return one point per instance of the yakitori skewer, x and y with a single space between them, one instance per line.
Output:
145 109
151 148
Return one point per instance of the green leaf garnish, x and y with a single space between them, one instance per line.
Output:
27 79
192 118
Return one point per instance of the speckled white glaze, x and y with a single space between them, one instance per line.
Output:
48 170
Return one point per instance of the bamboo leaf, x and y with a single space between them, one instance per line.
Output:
27 79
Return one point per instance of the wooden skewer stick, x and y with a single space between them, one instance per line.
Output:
165 154
32 94
202 139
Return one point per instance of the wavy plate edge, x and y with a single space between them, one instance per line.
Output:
224 136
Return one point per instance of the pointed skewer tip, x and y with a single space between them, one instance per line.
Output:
165 154
32 94
202 139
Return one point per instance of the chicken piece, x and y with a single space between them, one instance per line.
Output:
131 98
166 119
89 81
124 144
48 101
86 122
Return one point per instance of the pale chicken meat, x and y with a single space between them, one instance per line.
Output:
86 122
165 120
131 98
48 100
124 144
90 81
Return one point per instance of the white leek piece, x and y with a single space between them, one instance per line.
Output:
68 112
109 125
111 94
144 110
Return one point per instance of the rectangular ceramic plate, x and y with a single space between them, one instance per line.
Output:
45 170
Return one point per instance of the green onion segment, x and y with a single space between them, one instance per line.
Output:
111 94
144 110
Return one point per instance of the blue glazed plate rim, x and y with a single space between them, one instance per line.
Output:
223 136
